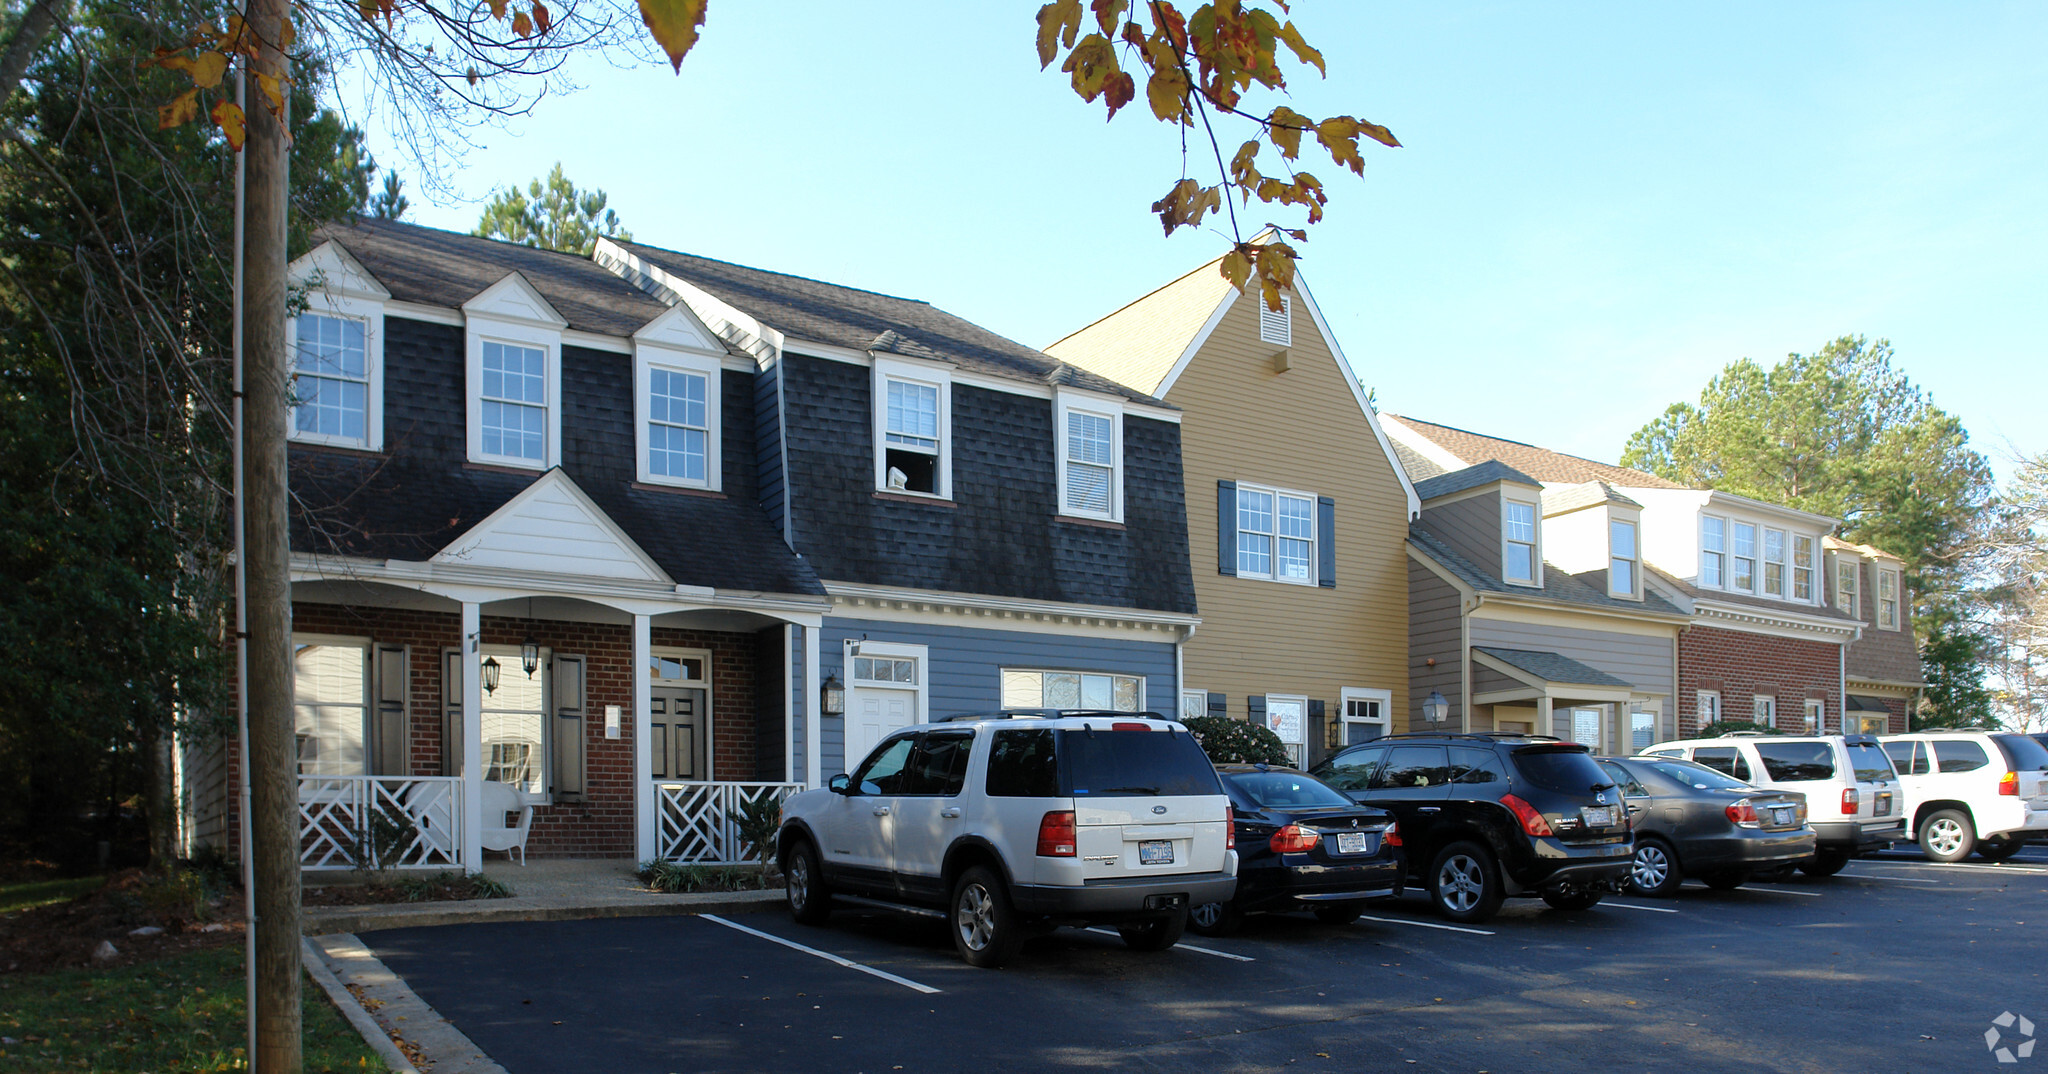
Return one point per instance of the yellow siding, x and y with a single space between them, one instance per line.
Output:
1139 344
1303 430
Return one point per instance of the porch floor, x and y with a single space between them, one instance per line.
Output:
551 889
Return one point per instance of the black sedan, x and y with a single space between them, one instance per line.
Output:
1302 845
1693 821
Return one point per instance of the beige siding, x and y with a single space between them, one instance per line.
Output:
1434 633
1302 430
1139 344
1471 527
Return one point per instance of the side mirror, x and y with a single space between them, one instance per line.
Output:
840 784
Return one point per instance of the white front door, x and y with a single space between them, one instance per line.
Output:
872 713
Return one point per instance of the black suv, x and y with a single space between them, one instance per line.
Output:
1485 816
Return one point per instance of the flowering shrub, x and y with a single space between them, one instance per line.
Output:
1232 741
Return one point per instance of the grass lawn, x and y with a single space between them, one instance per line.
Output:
181 1013
44 892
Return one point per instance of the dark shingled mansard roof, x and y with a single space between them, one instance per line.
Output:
1589 589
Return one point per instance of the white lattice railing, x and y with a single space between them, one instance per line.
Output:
700 822
393 822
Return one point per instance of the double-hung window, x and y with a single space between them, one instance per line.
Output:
1887 600
1847 572
330 705
514 345
1031 689
515 722
1276 533
1713 551
515 402
1709 707
1622 558
1774 563
679 414
1518 524
1764 710
1090 452
1802 568
1816 715
912 419
1744 577
331 379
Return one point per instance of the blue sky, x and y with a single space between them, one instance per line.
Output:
1598 206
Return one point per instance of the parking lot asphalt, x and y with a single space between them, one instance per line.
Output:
1896 964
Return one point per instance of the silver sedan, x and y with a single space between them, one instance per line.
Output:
1692 821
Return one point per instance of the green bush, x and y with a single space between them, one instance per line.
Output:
676 877
1232 741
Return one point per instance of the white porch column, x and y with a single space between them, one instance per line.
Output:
643 759
813 738
472 739
1544 724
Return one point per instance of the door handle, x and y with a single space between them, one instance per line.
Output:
950 812
881 811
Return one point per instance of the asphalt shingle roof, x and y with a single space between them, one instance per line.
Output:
1588 589
1471 477
1552 667
1545 465
1558 501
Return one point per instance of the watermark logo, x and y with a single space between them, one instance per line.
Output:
2010 1038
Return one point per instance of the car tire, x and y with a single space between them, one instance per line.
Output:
810 901
1573 900
1726 879
1998 848
1947 835
1464 883
1342 913
1654 869
985 929
1158 934
1825 863
1215 919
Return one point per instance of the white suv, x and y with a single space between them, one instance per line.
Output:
1972 790
1852 794
1011 823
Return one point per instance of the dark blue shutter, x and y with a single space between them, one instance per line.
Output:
1255 705
1219 704
1226 527
1326 542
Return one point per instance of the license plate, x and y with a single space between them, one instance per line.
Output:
1597 818
1884 805
1781 815
1350 842
1155 852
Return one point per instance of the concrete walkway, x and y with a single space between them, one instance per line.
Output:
410 1035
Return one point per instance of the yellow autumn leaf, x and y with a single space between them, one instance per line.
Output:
673 24
1284 126
1167 90
1236 267
272 87
1058 24
1301 48
183 109
228 117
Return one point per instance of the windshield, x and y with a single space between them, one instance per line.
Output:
1567 770
2025 754
1797 762
1870 763
1121 764
1281 789
1698 776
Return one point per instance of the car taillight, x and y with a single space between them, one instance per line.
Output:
1392 835
1130 727
1532 821
1801 814
1056 835
1230 827
1293 839
1742 811
2009 784
1849 801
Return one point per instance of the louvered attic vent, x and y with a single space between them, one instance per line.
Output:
1276 326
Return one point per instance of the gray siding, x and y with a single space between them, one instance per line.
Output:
799 706
1471 527
1433 616
768 446
1643 662
203 783
965 669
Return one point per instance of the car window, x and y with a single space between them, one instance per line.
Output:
1628 783
1352 771
1797 762
1665 753
1959 756
1414 766
1280 789
1471 765
1120 764
1567 770
2023 753
940 764
1869 763
1023 764
883 772
1726 760
1698 776
1908 757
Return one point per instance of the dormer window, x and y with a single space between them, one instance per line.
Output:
514 358
1090 453
1623 559
1744 577
1802 568
678 382
1519 558
1774 563
1887 599
331 379
1847 572
912 429
514 423
1713 551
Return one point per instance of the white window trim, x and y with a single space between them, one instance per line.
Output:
930 375
1763 710
1348 694
1764 561
1300 760
1534 500
1189 693
896 651
371 314
1144 682
369 695
704 684
1755 557
1722 582
544 671
1815 712
549 342
1813 569
1898 598
1635 590
647 359
1285 318
1315 536
1065 403
1853 595
1702 702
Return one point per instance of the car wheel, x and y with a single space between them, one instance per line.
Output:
1215 919
1157 934
1825 863
1947 835
1342 913
1998 848
1654 870
1464 883
1726 880
1573 900
985 929
810 901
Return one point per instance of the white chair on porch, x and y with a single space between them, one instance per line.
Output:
501 800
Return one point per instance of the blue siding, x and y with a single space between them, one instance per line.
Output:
768 446
965 670
799 706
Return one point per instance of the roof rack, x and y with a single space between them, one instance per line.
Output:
1050 714
1488 736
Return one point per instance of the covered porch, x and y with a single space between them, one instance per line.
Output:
1547 693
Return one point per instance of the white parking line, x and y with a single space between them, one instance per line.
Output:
1782 891
1426 925
1192 947
1634 906
1958 865
826 955
1897 879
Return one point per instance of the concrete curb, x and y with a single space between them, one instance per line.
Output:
353 919
393 1009
372 1034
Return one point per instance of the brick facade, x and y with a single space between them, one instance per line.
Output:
1742 666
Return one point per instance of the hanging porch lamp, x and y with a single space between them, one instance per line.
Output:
529 650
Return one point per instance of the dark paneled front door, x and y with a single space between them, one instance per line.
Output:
678 732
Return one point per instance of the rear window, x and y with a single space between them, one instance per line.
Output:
1286 790
1119 764
1964 756
1022 764
1564 770
1798 762
1869 763
1697 775
2023 753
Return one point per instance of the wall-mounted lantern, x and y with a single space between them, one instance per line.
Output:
832 696
491 670
1436 710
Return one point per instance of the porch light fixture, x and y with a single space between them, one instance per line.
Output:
832 696
490 674
1436 709
529 650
